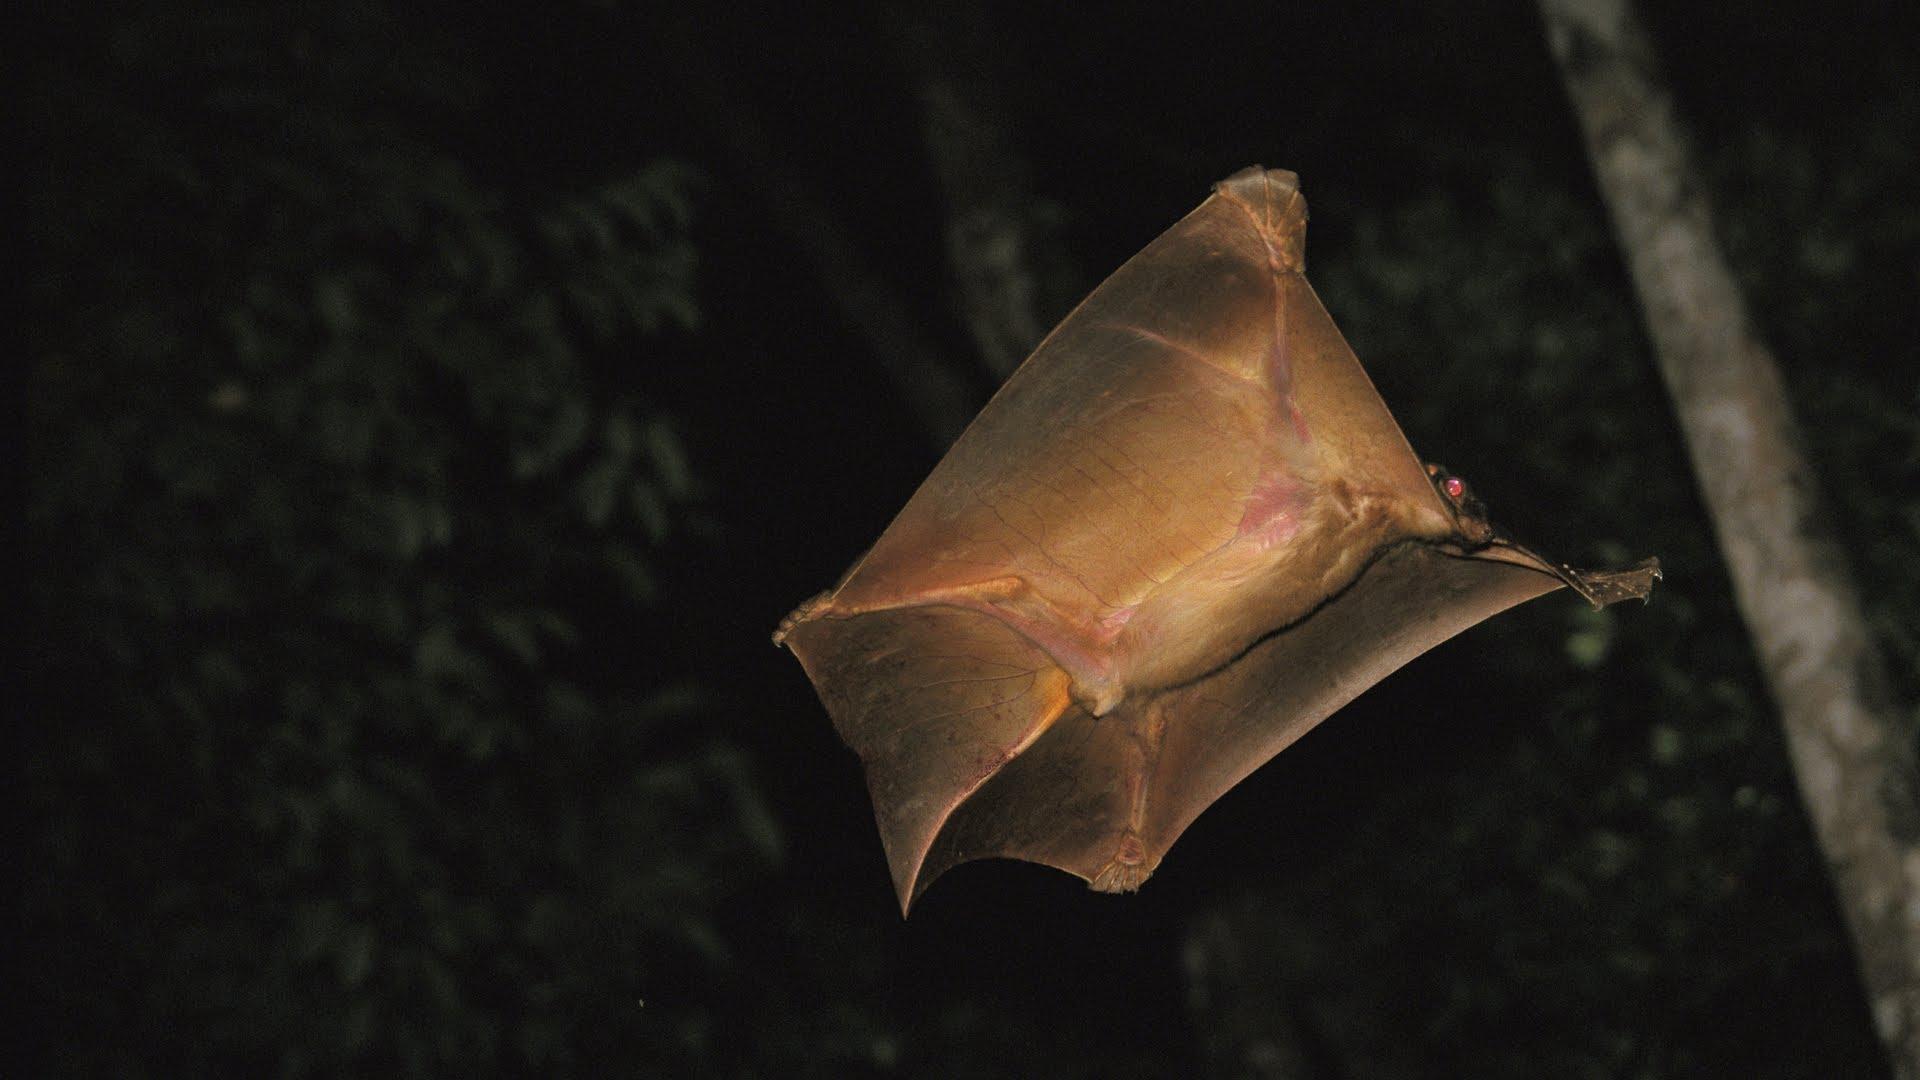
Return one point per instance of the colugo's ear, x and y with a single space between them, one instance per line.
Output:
1184 531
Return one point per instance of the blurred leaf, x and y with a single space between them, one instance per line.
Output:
598 489
1591 638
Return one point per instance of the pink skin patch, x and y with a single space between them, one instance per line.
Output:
1111 626
1299 422
1272 514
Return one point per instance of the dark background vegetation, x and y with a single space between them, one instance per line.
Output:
425 427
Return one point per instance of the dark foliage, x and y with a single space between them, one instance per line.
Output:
350 504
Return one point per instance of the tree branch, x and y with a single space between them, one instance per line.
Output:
1854 765
991 224
941 398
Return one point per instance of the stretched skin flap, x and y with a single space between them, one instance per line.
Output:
1184 532
973 751
1129 445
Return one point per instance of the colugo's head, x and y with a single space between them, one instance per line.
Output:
1469 513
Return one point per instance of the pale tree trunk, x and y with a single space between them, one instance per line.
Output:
1850 750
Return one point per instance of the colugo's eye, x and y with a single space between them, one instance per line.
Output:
1454 487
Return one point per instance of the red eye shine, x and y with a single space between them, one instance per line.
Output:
1454 487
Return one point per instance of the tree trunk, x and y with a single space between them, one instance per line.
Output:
935 390
1850 751
992 224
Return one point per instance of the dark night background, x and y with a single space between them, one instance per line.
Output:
431 412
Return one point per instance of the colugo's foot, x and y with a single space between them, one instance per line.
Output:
799 615
1127 870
